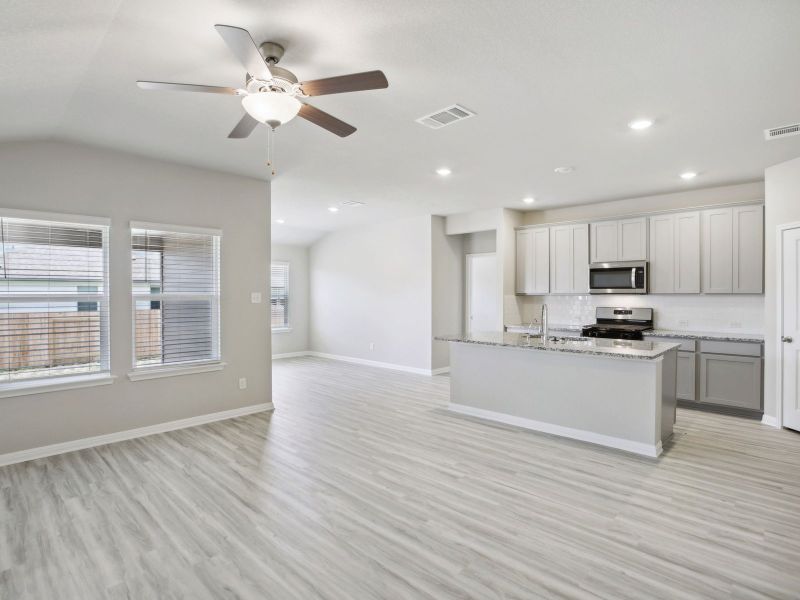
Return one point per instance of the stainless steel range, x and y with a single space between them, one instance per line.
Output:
619 323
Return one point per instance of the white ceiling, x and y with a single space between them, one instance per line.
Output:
554 82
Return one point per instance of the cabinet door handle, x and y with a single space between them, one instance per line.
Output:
786 339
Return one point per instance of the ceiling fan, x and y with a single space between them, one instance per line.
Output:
271 94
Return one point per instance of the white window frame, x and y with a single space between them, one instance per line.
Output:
288 326
56 383
138 373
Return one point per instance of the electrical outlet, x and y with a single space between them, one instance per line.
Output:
736 324
255 297
683 323
242 383
372 345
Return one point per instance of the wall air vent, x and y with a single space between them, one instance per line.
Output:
446 116
779 132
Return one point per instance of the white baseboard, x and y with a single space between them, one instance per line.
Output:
440 371
650 450
769 420
371 363
290 355
128 434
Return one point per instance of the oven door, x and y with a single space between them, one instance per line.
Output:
618 278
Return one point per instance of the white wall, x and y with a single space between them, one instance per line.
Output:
296 339
693 198
69 178
781 206
372 284
692 312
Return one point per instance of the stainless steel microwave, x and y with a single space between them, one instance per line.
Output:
628 277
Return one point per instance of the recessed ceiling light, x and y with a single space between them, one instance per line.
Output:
333 208
564 170
529 200
443 171
639 124
280 221
688 175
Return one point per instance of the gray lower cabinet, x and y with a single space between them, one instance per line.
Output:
687 368
730 380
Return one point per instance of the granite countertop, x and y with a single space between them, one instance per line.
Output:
644 350
716 336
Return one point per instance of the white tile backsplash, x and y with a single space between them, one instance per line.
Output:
695 312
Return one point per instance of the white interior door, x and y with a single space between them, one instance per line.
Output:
790 360
482 290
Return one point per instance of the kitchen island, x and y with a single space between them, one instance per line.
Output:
614 393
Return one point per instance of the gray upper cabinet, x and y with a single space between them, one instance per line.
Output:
569 259
675 253
604 242
633 239
612 241
733 250
748 249
533 261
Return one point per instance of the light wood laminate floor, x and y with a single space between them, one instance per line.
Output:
360 485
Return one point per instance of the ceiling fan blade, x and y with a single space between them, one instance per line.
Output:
370 80
242 45
244 127
186 87
326 121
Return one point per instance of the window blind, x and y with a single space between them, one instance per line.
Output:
53 299
175 297
279 295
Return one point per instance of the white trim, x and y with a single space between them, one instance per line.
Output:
769 420
290 355
54 384
281 329
371 363
778 368
440 371
129 434
66 219
165 228
143 373
650 450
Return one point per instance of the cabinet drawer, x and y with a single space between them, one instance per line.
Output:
738 348
730 380
686 345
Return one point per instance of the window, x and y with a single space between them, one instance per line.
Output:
175 295
53 299
279 295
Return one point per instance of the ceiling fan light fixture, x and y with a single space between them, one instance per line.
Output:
272 108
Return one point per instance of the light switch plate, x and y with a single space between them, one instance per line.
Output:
242 383
255 297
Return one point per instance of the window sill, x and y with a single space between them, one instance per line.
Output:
157 372
281 329
56 384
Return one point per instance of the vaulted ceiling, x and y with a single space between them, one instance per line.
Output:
554 83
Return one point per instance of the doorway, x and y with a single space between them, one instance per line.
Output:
482 302
789 334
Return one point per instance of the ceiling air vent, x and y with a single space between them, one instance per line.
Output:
446 116
778 132
352 203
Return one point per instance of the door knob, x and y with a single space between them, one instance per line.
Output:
786 339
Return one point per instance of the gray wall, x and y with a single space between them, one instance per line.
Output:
781 206
68 178
447 259
373 284
296 340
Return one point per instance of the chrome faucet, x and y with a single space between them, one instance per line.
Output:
544 323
